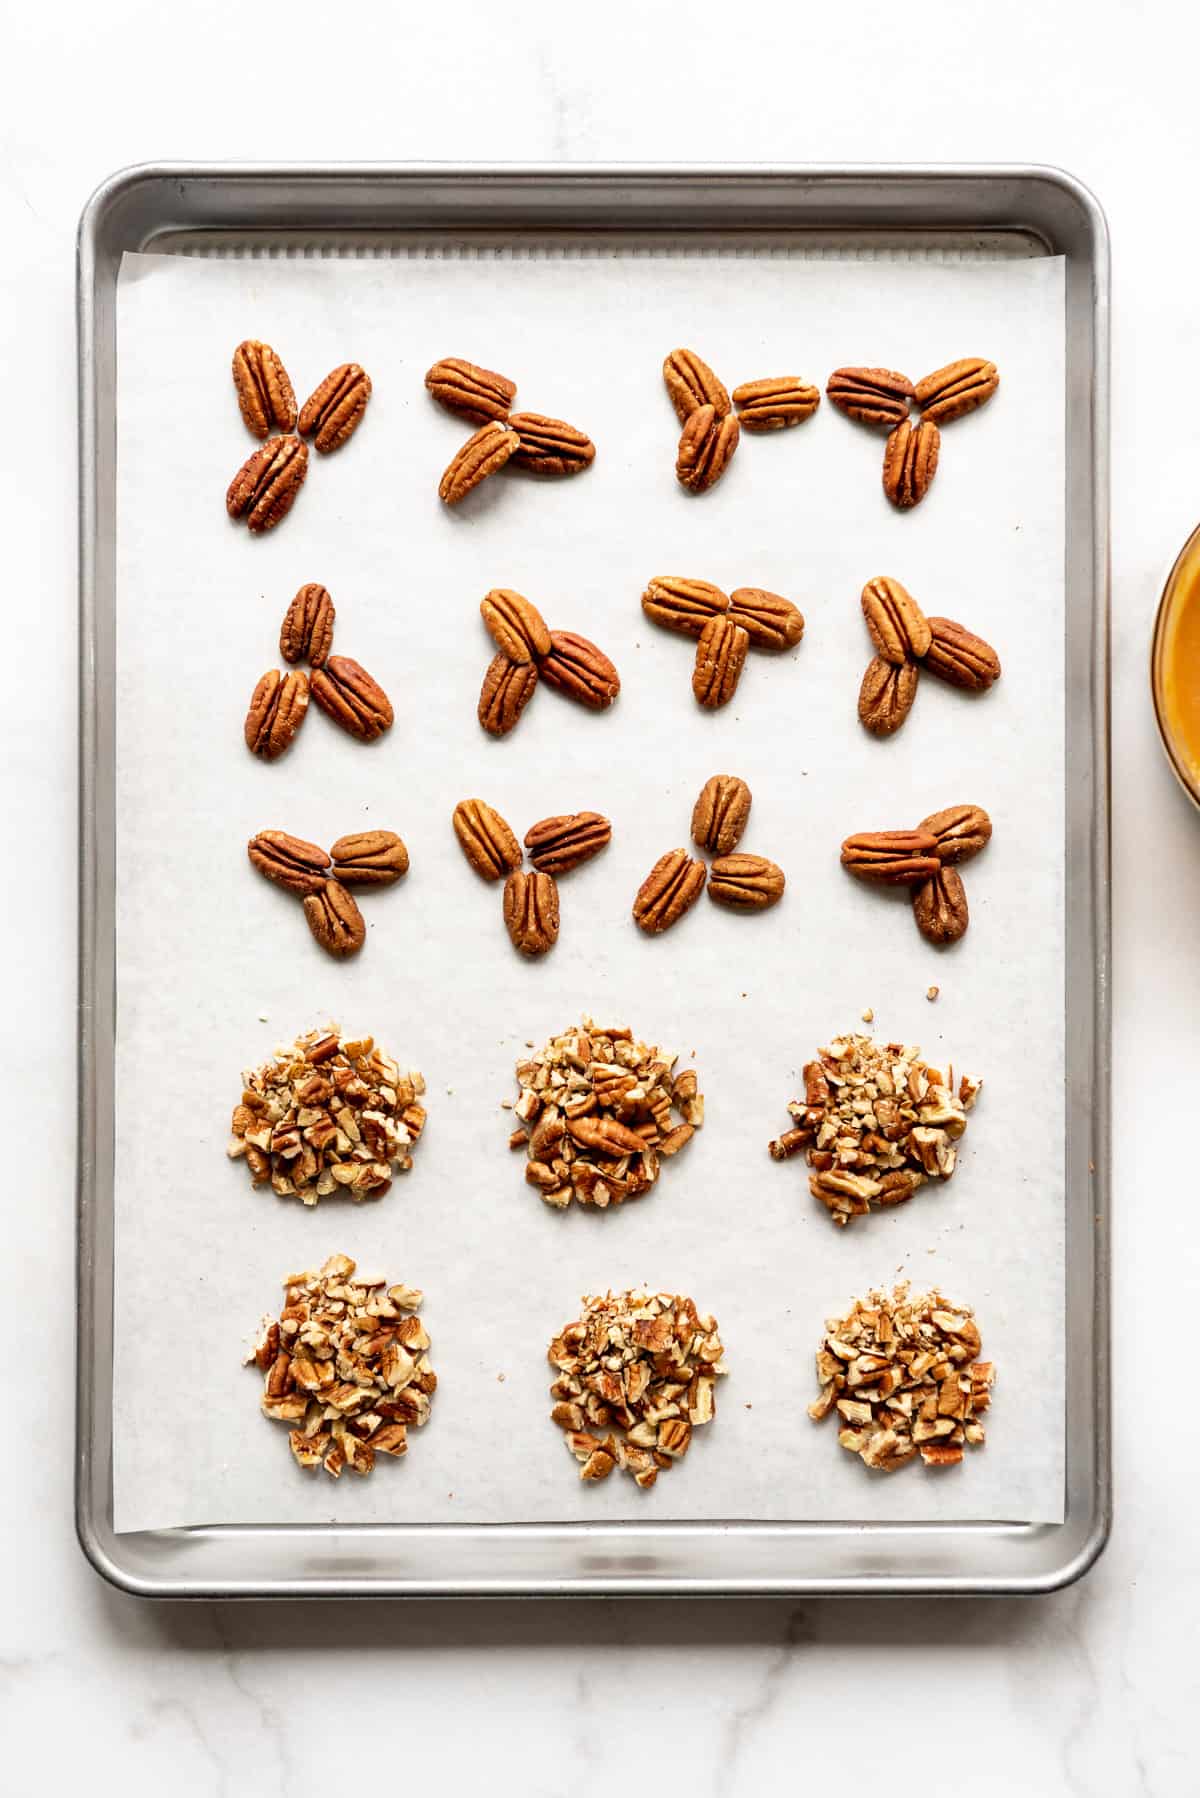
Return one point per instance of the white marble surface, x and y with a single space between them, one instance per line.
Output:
1091 1692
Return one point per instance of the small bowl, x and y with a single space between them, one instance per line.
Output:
1182 587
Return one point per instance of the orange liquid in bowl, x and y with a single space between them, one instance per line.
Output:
1175 667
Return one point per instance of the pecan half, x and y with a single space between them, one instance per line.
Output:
473 392
682 605
606 1136
672 887
892 857
277 708
369 858
706 447
961 832
745 882
548 446
772 405
481 455
874 396
720 813
580 670
958 388
264 488
289 861
556 845
720 658
516 625
886 696
306 634
332 414
507 689
769 620
346 693
898 627
485 838
691 384
910 460
960 657
531 911
264 391
940 907
335 920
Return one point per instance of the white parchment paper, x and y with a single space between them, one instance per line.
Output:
216 966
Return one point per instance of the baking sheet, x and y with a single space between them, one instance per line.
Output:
215 966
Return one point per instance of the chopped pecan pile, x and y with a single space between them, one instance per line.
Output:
597 1111
346 1364
636 1374
875 1123
903 1376
328 1114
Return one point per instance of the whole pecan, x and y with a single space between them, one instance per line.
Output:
548 446
335 920
961 832
720 658
277 708
886 696
683 605
874 396
531 911
691 384
306 634
772 405
706 446
672 887
289 861
910 460
485 838
960 657
745 882
891 857
264 391
332 414
473 392
580 670
940 907
369 858
516 625
346 693
507 689
720 813
769 620
264 488
556 845
958 388
481 455
898 627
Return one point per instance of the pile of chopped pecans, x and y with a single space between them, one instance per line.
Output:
328 1114
346 1363
596 1110
903 1376
875 1123
646 1363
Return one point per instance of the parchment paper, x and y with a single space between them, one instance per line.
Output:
216 966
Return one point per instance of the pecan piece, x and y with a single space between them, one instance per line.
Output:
745 882
548 446
772 405
473 392
893 857
886 696
481 455
961 832
606 1136
672 887
769 620
960 657
910 459
289 861
720 813
720 658
874 396
531 911
706 446
335 920
306 634
958 388
332 414
264 488
682 605
515 624
898 627
692 384
580 670
556 845
277 708
485 838
940 907
346 693
264 391
369 858
507 689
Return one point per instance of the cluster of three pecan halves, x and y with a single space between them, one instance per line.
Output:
906 641
713 421
883 399
527 440
264 489
555 846
528 652
925 860
321 878
342 688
